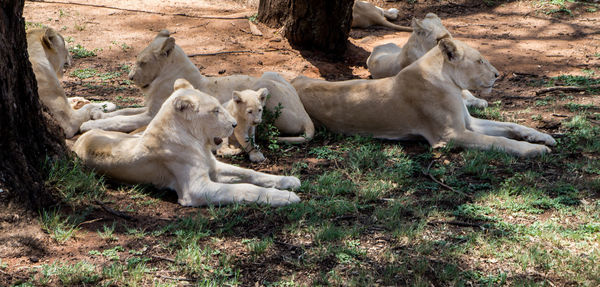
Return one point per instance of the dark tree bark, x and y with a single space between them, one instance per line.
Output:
313 24
28 135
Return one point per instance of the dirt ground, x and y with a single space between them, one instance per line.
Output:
521 39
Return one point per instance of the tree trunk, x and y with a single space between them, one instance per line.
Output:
28 135
314 24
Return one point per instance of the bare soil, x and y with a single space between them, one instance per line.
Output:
523 42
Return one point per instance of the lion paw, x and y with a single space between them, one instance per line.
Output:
288 182
96 113
536 150
282 197
538 137
256 156
475 102
228 151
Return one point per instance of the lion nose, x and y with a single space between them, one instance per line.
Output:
234 125
496 74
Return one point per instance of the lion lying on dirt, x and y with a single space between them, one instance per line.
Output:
246 107
77 103
388 59
365 14
49 56
162 62
422 100
175 152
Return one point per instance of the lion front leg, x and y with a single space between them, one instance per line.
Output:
472 101
471 139
233 173
226 193
248 142
510 130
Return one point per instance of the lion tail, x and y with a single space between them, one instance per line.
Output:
396 27
309 133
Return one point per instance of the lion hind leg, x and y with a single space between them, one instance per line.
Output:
471 139
118 123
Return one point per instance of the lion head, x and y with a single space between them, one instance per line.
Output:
149 62
201 114
467 67
428 32
248 106
55 48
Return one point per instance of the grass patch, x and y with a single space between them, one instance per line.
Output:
73 183
80 52
61 228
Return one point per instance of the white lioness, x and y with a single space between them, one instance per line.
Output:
422 100
77 103
388 59
162 62
175 152
49 56
246 107
365 14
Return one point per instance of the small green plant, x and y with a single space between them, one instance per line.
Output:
33 25
492 112
267 132
108 233
79 274
60 229
3 265
325 152
258 247
81 52
537 117
79 27
253 18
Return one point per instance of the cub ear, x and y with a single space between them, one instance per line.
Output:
163 33
263 93
451 51
48 38
237 97
182 84
418 27
183 103
433 16
167 47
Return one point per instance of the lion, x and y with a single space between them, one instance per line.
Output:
421 100
162 62
388 59
77 103
246 107
49 55
365 14
175 152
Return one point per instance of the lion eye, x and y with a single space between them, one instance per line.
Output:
259 110
216 111
250 111
480 61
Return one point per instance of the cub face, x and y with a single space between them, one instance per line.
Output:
150 61
202 115
249 105
429 31
471 71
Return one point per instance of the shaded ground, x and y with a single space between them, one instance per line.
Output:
371 212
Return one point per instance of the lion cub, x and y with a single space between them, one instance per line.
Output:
247 108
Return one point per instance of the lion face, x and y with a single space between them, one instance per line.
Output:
150 61
429 31
249 105
467 67
201 114
56 50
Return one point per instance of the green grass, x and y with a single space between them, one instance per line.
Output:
61 228
84 73
79 52
72 181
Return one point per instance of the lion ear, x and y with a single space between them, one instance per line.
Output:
237 97
183 103
48 38
163 33
450 50
182 84
264 92
167 47
418 27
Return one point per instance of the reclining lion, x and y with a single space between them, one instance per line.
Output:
175 152
162 62
422 100
49 56
365 14
388 59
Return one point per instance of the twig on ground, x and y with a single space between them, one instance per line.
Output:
141 11
163 258
223 52
559 116
426 173
566 89
90 221
177 278
114 212
457 223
